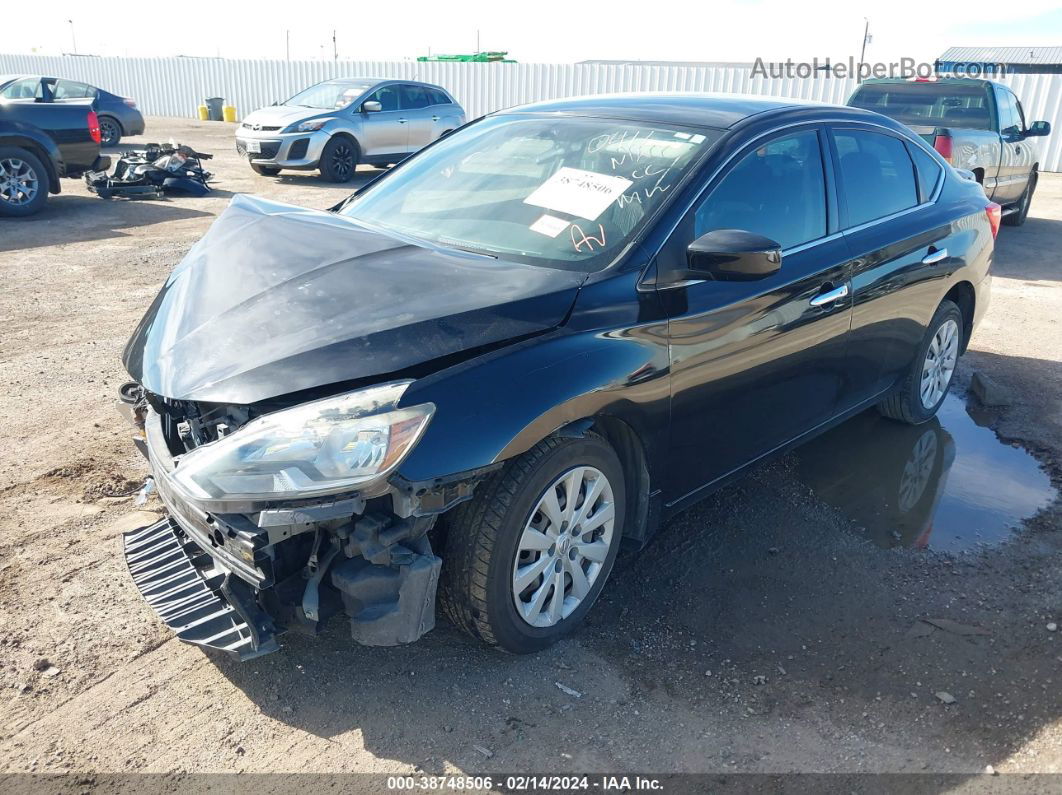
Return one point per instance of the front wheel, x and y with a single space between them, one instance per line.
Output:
925 386
339 158
527 557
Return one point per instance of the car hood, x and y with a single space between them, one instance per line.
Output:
276 298
283 115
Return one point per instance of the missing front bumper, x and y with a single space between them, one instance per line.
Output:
201 602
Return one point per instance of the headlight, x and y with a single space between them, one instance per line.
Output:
318 448
310 126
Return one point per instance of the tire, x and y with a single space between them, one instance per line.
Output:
339 159
484 536
110 131
265 171
1018 218
21 171
906 403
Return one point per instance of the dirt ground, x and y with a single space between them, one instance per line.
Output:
761 631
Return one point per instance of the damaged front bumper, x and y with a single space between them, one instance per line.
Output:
234 581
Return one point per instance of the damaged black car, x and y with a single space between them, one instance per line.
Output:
468 384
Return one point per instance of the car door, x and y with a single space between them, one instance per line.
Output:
416 107
384 132
1016 154
898 238
755 364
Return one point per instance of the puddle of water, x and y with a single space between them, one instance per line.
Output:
949 485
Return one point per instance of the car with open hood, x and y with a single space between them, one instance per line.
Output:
335 125
531 343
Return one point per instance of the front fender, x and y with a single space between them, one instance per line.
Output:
497 406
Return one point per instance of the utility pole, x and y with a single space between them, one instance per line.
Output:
477 41
863 51
335 52
287 44
73 38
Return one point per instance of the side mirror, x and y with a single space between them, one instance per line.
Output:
371 106
733 255
1039 128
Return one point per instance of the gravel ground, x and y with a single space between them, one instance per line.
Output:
758 632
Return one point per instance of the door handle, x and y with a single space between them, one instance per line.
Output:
933 257
1017 150
434 118
824 299
401 121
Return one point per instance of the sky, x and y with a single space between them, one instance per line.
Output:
536 30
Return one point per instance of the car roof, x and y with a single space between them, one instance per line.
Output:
375 81
699 109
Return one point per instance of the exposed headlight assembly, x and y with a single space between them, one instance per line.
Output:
324 447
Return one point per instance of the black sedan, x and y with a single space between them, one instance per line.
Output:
536 339
118 115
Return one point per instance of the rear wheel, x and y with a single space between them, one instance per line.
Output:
339 158
1017 218
265 171
110 131
926 384
527 557
23 182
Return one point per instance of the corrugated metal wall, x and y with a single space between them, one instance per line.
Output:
175 86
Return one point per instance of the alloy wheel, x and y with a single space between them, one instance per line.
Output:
939 364
564 546
18 182
342 161
109 133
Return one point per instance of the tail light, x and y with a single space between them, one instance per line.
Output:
942 143
995 215
130 102
94 126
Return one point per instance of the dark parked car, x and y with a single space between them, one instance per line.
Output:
536 338
41 144
118 115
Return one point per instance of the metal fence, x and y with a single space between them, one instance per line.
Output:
176 86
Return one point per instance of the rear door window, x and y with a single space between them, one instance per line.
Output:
778 190
876 174
413 97
439 98
68 89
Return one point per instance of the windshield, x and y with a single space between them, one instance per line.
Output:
332 95
928 104
568 192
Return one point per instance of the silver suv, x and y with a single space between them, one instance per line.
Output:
335 125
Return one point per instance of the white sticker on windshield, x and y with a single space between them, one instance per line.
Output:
549 225
578 192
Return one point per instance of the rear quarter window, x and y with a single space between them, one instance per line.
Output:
928 171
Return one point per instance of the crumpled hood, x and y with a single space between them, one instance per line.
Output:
277 298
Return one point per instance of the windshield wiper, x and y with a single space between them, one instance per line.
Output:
465 247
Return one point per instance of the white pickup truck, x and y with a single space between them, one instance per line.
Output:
977 125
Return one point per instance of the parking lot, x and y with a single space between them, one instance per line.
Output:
807 618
